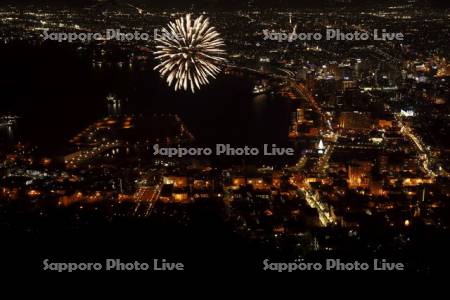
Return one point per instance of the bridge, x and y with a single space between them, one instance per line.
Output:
82 156
231 67
8 120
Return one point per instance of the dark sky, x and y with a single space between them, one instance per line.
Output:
240 3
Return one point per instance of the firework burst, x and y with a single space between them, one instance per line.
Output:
189 53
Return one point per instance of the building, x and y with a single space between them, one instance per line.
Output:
355 121
359 174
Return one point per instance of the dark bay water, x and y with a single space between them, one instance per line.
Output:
56 92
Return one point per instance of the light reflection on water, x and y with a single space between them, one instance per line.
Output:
7 134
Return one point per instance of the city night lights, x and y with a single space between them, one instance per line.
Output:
218 136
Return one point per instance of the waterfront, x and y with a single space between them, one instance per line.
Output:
225 112
367 179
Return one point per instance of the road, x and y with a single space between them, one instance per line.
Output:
146 198
425 155
312 197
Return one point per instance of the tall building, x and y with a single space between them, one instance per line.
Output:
334 68
310 80
359 174
300 115
355 121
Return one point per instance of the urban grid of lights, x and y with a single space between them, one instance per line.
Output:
189 51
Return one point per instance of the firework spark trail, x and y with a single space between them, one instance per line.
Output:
189 52
139 10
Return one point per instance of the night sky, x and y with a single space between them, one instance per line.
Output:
238 3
